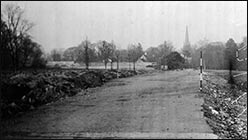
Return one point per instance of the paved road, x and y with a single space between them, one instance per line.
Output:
158 105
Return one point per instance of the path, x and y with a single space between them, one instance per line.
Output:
158 105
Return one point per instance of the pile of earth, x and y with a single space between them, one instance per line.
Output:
225 107
27 90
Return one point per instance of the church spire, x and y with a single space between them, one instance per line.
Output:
186 50
186 42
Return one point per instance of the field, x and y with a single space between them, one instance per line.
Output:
240 78
225 73
98 65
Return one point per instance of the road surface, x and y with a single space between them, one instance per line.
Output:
158 105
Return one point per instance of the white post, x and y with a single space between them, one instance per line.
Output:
201 78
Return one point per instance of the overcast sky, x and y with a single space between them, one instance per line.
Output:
65 24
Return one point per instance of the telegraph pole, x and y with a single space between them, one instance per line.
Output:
201 78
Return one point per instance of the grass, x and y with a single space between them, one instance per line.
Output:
98 65
225 74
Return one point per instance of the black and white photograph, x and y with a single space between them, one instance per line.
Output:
123 70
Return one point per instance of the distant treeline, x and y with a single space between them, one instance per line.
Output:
218 55
102 51
77 53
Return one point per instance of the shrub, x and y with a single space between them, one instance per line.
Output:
175 61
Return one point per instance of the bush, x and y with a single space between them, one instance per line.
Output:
39 63
175 61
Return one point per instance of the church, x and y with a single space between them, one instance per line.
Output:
186 50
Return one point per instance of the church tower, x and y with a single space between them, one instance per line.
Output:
186 42
186 50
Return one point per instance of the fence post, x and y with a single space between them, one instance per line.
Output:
201 78
237 54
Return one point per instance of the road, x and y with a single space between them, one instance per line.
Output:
156 105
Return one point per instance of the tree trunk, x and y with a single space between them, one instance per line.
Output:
129 64
133 66
105 63
87 66
117 64
24 61
16 59
13 61
111 64
86 56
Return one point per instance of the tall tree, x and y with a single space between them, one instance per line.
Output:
123 55
112 56
213 55
153 54
135 52
158 54
85 52
230 58
19 26
18 50
55 55
106 52
70 54
230 54
165 49
27 49
5 50
36 58
86 49
117 55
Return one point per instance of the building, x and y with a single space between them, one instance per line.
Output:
186 50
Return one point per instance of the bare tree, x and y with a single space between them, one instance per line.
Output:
106 51
27 49
135 52
13 16
70 54
112 55
56 55
117 55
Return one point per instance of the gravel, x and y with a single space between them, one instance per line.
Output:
225 107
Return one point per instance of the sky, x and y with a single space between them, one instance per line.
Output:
64 24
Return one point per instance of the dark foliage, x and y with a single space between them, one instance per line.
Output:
18 50
175 61
220 56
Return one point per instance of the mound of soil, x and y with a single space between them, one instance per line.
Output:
26 90
225 107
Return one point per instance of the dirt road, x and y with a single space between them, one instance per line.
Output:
158 105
